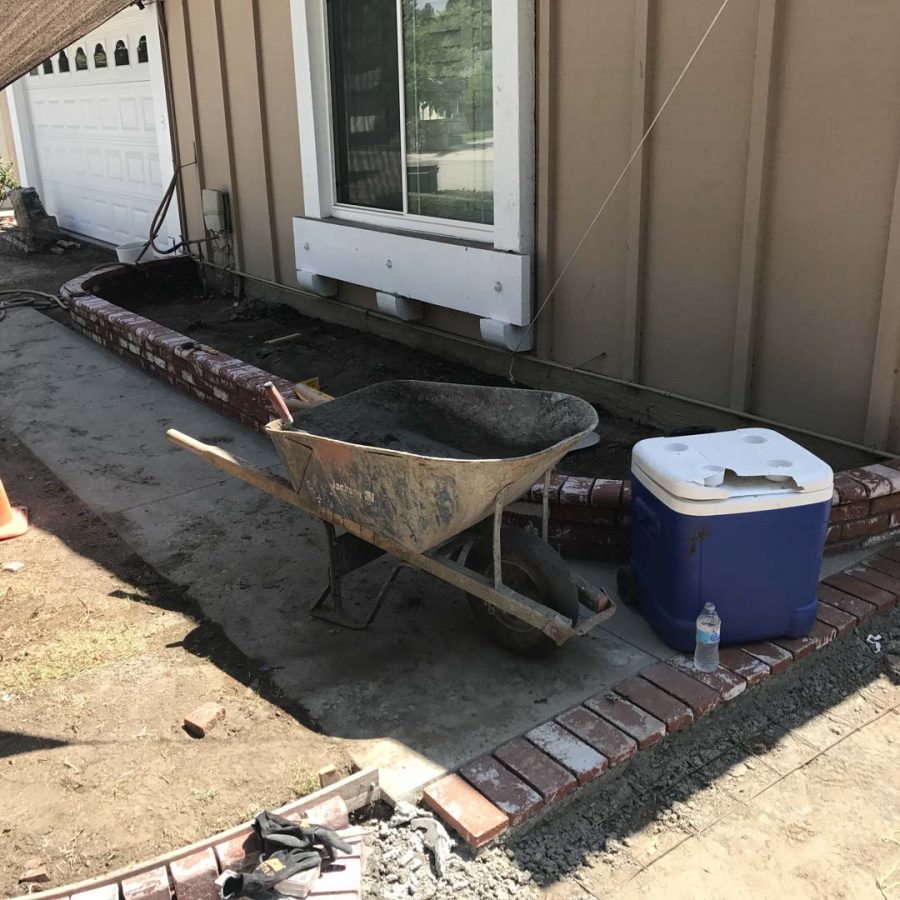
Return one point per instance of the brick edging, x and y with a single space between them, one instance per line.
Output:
528 774
589 515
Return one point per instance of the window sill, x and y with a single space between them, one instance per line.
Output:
452 273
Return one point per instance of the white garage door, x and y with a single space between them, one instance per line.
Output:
94 123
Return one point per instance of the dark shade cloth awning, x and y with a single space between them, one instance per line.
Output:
32 30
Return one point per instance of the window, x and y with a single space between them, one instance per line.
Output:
120 54
99 57
142 49
48 66
417 118
34 72
80 60
62 62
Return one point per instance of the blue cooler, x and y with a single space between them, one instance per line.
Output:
735 518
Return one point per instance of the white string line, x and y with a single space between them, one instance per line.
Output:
618 181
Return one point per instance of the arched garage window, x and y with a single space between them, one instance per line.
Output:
121 54
48 66
62 62
80 60
142 49
99 57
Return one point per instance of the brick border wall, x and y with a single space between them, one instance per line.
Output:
527 775
222 382
589 516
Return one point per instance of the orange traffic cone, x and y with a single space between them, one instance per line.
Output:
13 519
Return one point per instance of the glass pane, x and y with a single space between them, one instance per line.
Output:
449 109
99 57
366 102
80 60
142 49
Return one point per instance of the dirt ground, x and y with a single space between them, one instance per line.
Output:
100 660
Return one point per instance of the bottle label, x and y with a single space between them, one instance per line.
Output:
707 637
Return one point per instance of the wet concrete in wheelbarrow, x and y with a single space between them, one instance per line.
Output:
420 692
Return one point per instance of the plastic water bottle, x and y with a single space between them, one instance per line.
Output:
709 629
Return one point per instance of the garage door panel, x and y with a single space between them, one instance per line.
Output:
96 141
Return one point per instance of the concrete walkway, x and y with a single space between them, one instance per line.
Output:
420 692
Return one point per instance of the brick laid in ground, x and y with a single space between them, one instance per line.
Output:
699 697
836 618
877 578
469 813
853 606
152 885
886 564
656 702
504 789
582 760
724 682
240 853
881 599
194 876
533 766
748 667
606 739
646 729
776 658
819 635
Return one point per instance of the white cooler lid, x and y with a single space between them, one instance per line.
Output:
746 462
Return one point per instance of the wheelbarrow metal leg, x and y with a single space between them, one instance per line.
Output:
545 506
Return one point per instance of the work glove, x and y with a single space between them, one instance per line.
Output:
263 881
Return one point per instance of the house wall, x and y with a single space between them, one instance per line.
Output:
747 260
7 146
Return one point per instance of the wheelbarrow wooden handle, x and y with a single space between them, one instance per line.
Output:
239 468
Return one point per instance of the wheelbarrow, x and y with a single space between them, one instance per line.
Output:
424 471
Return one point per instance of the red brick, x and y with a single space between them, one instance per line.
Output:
203 718
240 853
873 481
606 739
101 892
819 635
833 534
745 666
700 698
860 528
848 490
545 775
634 721
556 483
502 788
891 463
724 682
606 493
194 876
776 658
859 609
885 565
888 473
888 503
891 552
877 577
656 702
576 491
836 618
582 760
626 495
331 813
152 885
849 511
882 599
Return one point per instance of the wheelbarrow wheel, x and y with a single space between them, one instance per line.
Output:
533 568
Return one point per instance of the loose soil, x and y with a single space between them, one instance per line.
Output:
100 660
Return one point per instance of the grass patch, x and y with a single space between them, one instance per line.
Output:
303 781
70 653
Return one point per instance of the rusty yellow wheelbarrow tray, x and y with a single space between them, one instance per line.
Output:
423 471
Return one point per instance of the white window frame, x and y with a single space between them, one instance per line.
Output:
513 99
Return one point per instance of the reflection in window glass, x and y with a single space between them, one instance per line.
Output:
366 96
142 49
80 60
34 72
62 62
48 66
120 55
99 57
449 109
